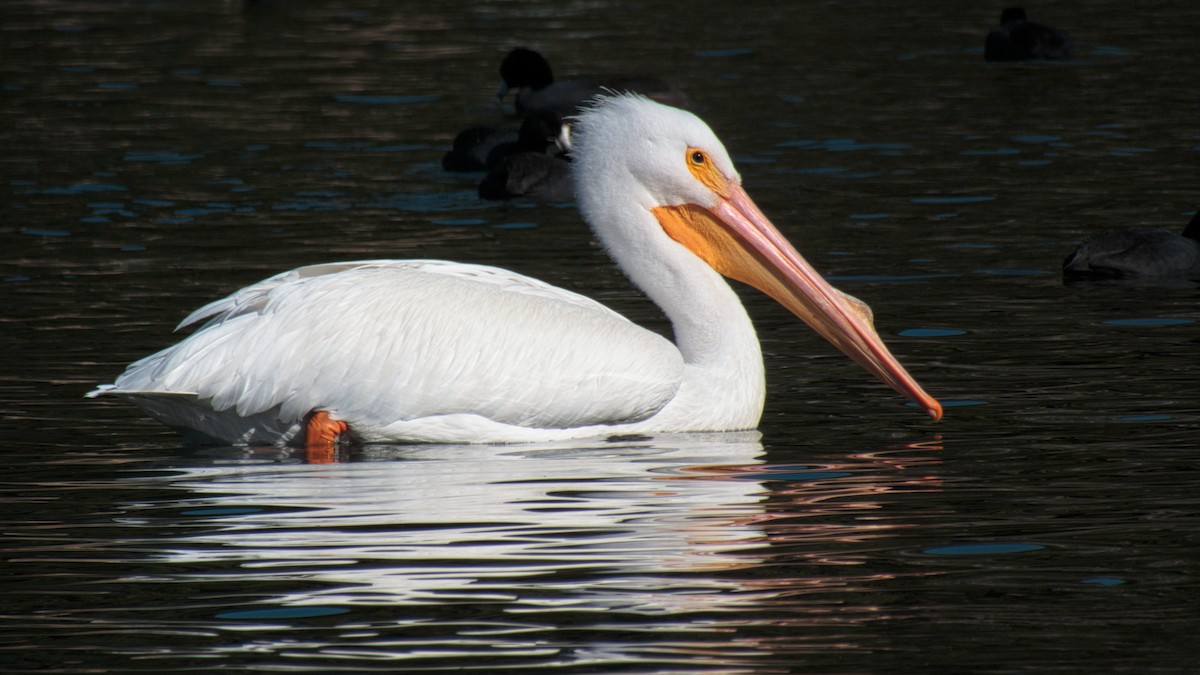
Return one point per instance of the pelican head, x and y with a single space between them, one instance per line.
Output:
658 187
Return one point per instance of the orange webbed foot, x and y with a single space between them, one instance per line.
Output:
322 434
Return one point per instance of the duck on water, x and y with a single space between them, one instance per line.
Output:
529 74
1019 39
1138 253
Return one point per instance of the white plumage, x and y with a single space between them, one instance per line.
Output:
423 350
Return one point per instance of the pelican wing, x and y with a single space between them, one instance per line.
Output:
376 342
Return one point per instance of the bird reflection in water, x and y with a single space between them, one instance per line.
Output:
633 531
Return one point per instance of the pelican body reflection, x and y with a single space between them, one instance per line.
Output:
478 546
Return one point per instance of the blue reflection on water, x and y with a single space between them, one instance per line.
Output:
1110 50
283 613
222 511
888 277
77 188
1013 272
953 403
162 156
985 548
362 99
931 332
723 53
843 145
1036 138
1157 321
44 232
957 199
1105 581
995 151
362 146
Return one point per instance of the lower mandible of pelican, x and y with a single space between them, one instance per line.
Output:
434 351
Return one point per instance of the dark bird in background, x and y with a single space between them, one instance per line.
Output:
531 167
483 148
1138 253
527 164
473 146
1019 39
538 134
541 178
529 74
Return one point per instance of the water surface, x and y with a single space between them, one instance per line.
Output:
161 154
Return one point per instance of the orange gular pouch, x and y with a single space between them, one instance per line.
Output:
734 238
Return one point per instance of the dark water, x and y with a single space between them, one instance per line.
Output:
158 155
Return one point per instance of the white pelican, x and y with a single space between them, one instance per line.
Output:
433 351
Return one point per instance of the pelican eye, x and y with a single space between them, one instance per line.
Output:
704 170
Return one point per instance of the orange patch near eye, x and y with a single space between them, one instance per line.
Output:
706 172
